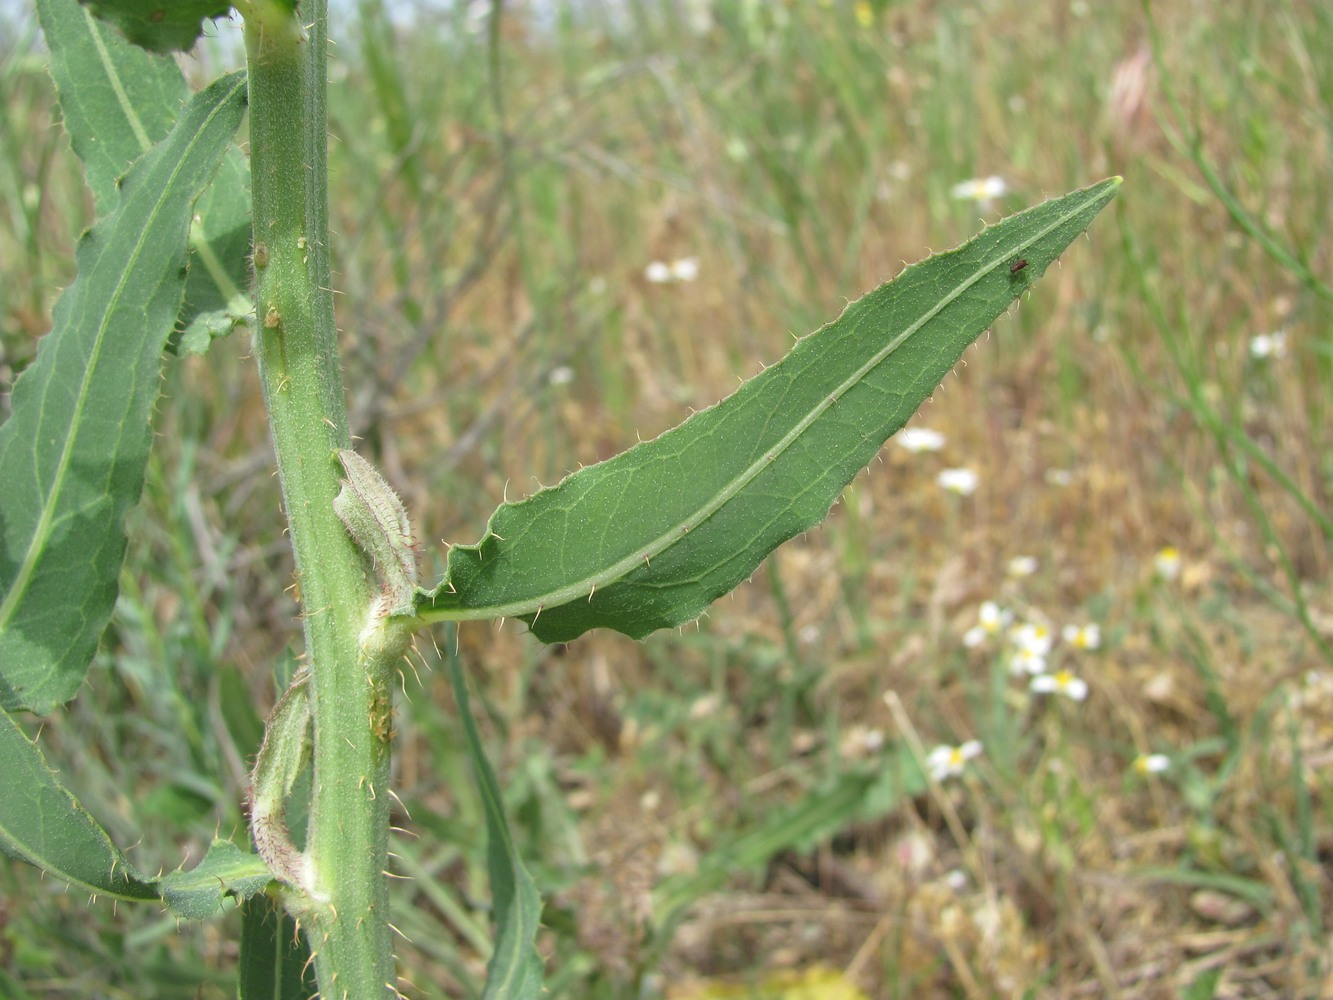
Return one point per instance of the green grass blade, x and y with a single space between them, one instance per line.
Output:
225 871
650 538
1204 985
275 958
1258 894
515 969
43 824
817 816
73 451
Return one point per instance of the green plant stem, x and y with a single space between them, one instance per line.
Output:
342 902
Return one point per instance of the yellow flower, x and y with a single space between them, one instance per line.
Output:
865 13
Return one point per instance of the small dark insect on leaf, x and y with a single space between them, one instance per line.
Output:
1018 265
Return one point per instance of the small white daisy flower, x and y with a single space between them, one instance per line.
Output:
1021 566
948 762
919 439
1063 683
1082 636
1032 637
1026 661
1269 345
980 189
960 481
658 272
991 620
681 269
685 269
1167 563
1151 763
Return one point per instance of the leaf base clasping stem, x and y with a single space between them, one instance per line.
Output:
341 898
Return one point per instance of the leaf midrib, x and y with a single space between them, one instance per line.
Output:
616 571
44 859
199 245
40 535
113 75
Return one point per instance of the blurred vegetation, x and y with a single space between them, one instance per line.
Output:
739 799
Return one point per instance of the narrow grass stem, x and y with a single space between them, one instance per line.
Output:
344 906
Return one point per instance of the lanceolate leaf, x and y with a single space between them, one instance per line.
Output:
72 453
117 102
42 823
650 538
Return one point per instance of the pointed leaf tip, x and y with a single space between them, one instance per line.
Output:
650 538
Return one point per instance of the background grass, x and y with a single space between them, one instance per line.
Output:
738 799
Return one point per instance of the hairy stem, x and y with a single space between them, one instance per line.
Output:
343 900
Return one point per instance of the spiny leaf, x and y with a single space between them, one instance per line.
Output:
117 101
225 871
73 451
650 538
43 824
